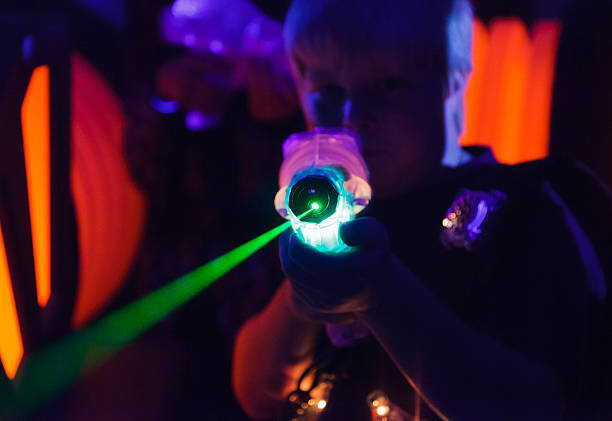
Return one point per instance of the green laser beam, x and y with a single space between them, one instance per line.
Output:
44 375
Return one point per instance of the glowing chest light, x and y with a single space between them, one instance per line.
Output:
324 175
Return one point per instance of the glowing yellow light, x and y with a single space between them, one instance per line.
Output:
311 402
382 410
322 404
375 402
446 222
315 206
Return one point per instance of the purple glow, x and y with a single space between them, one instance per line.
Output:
216 46
481 214
197 121
190 40
464 221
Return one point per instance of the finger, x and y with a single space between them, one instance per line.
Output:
283 247
307 256
364 232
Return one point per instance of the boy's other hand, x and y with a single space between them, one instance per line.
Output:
332 286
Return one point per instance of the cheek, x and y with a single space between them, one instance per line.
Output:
414 141
417 133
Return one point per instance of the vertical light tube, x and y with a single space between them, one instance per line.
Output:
36 127
11 345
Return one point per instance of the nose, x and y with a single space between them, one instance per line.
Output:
327 108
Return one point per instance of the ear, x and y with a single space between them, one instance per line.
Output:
454 118
456 83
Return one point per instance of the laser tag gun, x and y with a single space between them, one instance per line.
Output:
323 182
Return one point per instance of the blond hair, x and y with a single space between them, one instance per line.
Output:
435 35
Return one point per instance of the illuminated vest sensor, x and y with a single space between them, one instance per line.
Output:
323 183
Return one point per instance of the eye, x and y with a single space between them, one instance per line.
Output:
391 85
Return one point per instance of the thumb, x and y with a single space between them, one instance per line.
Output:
364 232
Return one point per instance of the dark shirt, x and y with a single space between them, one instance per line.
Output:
534 281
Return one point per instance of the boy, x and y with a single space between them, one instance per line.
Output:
483 294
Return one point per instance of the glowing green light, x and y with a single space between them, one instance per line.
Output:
315 206
43 376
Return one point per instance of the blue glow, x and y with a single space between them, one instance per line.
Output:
113 11
27 47
197 121
164 106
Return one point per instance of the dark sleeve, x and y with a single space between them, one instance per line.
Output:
560 270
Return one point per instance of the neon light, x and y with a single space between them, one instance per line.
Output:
110 209
536 132
35 127
56 367
315 206
509 95
11 345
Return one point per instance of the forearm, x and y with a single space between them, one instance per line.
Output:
461 372
270 353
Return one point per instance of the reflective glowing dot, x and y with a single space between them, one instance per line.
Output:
299 411
321 404
452 215
375 402
216 46
382 410
311 402
315 206
189 40
446 223
304 405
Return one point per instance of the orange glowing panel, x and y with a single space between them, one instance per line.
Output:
11 345
35 127
110 210
509 95
505 83
471 135
534 143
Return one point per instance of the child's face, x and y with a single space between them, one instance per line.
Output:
396 108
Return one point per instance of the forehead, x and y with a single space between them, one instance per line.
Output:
355 67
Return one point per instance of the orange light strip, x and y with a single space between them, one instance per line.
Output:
475 87
35 125
509 96
536 132
11 345
505 87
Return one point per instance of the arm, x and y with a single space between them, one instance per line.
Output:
271 351
461 373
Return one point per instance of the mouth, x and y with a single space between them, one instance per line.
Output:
374 153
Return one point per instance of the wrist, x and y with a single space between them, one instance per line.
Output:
387 288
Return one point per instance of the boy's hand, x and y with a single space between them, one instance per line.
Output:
329 286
